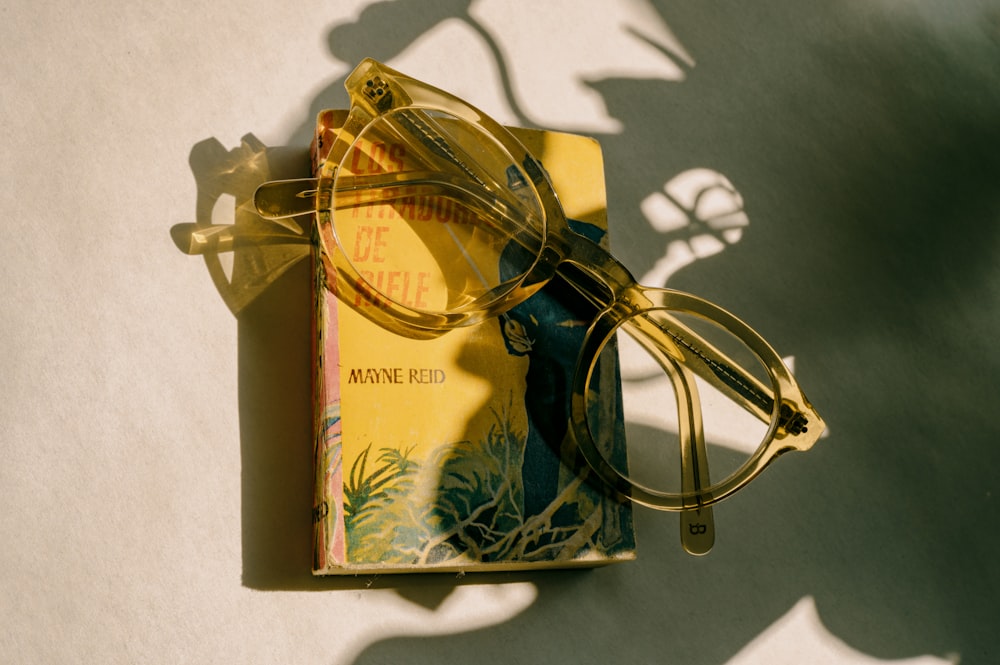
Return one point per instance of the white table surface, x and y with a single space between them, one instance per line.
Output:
154 474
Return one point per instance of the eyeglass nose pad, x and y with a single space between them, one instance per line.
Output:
279 199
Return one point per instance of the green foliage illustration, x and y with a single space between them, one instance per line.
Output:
464 505
375 504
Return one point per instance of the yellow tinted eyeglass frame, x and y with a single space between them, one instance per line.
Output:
649 315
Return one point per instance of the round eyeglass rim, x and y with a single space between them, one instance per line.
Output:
403 92
601 332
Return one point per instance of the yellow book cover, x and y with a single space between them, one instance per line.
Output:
452 454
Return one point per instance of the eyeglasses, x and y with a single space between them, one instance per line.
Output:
467 226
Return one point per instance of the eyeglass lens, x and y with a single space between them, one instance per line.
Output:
428 210
659 396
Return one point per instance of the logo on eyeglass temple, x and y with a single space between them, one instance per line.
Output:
378 93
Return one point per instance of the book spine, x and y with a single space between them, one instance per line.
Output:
329 547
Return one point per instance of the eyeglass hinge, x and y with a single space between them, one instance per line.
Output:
377 91
792 421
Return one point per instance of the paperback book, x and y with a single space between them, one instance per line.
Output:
452 453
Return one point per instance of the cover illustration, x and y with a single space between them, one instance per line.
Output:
452 454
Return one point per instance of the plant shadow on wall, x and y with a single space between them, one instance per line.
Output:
871 259
873 246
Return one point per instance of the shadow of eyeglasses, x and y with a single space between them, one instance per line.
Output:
246 254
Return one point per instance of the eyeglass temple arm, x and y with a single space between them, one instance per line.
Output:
715 367
798 424
607 284
283 199
217 238
589 268
196 239
697 524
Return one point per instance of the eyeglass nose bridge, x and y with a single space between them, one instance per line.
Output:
592 270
